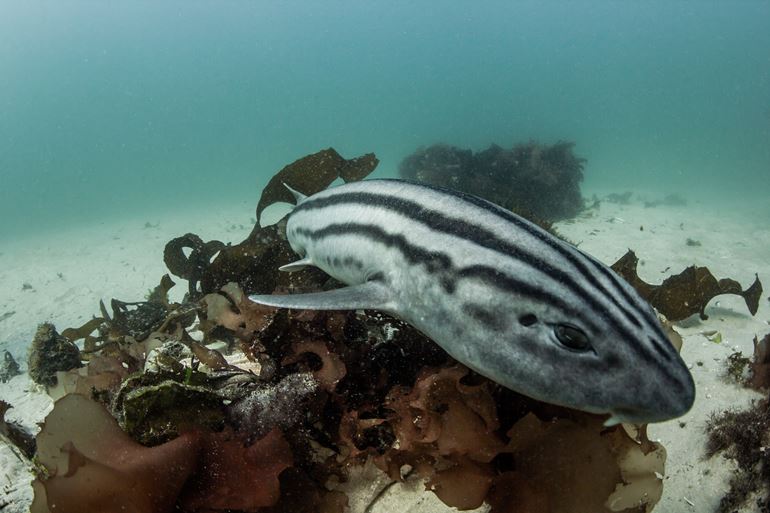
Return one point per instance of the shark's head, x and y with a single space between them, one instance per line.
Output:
602 362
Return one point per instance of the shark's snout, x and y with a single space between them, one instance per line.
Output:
669 402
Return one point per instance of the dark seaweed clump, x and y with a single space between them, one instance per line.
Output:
736 367
8 367
744 436
536 180
50 353
15 434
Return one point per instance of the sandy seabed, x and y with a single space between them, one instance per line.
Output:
60 277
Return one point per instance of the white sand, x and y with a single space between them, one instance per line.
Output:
70 272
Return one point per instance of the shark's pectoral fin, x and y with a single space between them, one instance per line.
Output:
296 266
370 295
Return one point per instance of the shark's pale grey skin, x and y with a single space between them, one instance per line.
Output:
499 294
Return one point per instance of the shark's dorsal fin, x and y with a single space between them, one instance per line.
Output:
370 295
298 196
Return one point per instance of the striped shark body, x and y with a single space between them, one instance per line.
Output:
499 294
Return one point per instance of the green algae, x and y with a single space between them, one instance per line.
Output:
154 414
737 366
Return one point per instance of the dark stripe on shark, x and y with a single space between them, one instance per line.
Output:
471 232
435 262
666 348
348 261
535 232
438 262
494 278
545 238
620 285
437 221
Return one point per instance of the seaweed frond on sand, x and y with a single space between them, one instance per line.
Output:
687 293
760 364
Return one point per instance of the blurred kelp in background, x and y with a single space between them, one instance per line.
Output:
532 179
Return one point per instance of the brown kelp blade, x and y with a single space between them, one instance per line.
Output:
252 262
314 173
752 295
686 293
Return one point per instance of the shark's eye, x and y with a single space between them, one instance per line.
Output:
572 337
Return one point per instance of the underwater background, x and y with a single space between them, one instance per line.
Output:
137 140
108 108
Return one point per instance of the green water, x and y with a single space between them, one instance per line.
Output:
109 108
